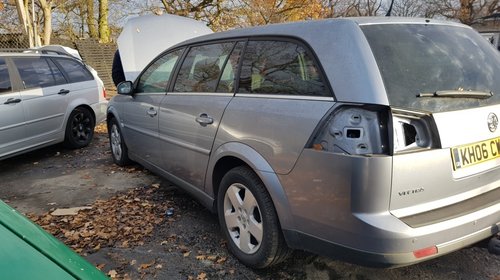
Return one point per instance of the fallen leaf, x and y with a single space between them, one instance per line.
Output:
112 273
159 266
133 262
187 254
201 257
146 265
201 276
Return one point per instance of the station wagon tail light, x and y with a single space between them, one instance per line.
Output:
104 93
354 130
413 131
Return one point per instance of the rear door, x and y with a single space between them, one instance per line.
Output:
44 98
12 126
191 113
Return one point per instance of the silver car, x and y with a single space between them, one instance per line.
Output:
47 99
373 140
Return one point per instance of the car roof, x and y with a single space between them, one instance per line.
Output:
297 29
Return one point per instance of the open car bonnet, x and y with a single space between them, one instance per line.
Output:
144 37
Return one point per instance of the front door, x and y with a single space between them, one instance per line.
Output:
140 118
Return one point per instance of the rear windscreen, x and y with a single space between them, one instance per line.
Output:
424 59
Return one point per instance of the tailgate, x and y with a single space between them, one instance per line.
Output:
461 177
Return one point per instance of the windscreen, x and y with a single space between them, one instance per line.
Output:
419 61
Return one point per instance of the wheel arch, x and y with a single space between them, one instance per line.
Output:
231 155
74 105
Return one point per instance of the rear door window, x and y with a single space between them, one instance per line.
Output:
5 85
156 77
75 71
280 67
38 72
201 68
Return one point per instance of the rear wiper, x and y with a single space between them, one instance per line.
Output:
457 93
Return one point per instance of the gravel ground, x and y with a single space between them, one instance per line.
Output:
128 234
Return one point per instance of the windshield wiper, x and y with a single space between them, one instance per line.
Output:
457 93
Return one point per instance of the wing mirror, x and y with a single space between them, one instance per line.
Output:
125 88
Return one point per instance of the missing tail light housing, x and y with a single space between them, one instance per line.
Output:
413 131
354 130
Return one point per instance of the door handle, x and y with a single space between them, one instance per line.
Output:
204 119
12 100
152 112
63 92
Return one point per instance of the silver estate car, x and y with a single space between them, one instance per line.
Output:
373 140
47 99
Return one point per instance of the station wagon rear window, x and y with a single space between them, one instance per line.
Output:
420 62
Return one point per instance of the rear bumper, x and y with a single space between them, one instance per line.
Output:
397 248
100 111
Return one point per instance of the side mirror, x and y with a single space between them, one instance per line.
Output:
125 88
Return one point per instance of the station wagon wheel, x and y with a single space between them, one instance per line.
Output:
119 150
248 219
80 128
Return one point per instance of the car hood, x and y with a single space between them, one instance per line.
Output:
144 37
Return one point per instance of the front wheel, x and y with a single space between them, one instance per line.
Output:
79 129
249 221
119 150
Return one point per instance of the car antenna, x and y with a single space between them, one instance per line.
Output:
390 9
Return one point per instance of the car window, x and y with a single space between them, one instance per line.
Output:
417 58
279 67
75 70
201 69
227 79
38 72
5 85
156 77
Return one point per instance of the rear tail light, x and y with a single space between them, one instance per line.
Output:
355 131
413 131
104 93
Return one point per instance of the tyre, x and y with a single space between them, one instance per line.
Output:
119 150
249 221
494 245
79 129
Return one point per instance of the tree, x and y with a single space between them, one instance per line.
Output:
104 32
91 23
466 11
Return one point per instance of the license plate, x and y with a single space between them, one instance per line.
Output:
471 154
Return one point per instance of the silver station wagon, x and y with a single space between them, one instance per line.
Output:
47 99
372 140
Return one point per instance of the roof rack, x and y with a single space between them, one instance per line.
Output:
49 49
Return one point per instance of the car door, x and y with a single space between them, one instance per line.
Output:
44 98
12 126
191 112
140 111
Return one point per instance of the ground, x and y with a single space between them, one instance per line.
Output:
139 226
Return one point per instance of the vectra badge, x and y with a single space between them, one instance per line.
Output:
492 122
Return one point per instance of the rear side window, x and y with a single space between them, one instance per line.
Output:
38 72
156 77
280 67
5 85
201 69
75 71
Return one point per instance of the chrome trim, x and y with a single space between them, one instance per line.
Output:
201 93
275 96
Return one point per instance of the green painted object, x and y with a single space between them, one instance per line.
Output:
29 252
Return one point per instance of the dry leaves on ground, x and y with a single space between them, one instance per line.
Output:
122 221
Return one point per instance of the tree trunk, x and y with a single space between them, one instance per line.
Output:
47 20
91 23
104 36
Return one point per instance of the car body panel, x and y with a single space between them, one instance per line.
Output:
185 143
12 125
33 245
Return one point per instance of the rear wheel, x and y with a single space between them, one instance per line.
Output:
249 221
119 150
79 129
